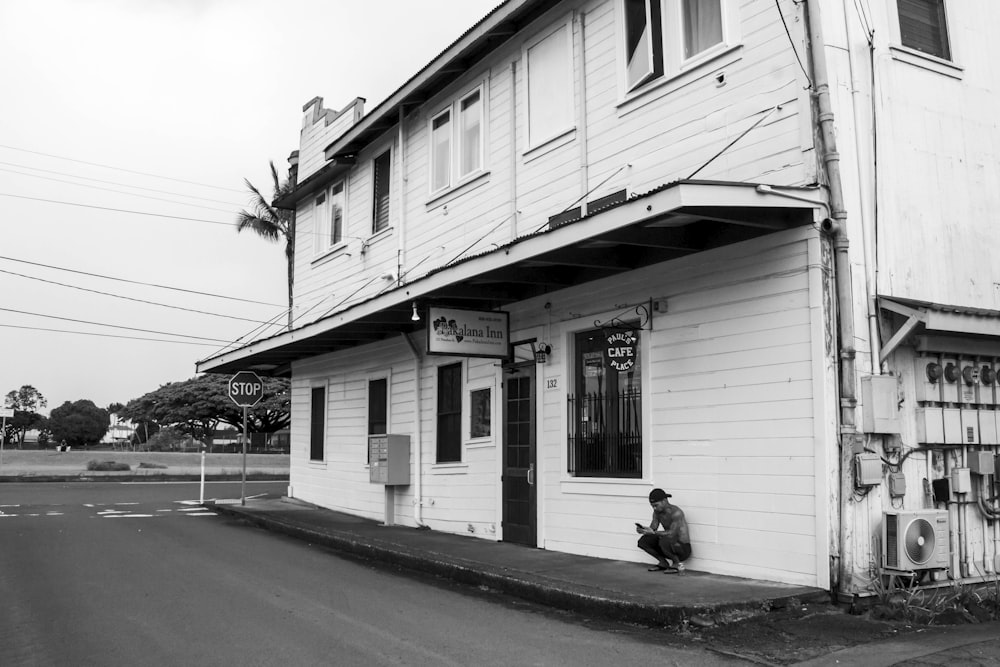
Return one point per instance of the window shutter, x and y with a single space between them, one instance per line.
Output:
380 213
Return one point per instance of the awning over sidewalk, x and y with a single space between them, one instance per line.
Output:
671 221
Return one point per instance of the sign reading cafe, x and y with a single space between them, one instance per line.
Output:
468 333
621 350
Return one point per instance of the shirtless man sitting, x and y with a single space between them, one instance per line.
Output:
671 545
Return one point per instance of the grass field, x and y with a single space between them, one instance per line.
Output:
48 462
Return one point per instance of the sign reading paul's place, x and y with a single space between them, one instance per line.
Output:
468 333
621 350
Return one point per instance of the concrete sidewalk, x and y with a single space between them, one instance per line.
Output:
617 590
594 587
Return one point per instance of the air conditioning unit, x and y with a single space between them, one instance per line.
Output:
915 540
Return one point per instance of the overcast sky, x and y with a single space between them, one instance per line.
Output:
160 108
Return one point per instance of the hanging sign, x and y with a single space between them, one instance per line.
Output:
621 350
468 333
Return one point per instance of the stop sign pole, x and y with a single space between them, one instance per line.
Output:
246 390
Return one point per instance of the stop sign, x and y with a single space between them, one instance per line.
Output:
246 389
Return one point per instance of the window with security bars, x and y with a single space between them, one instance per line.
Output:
605 429
923 26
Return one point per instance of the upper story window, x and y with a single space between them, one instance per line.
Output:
923 26
663 37
702 25
381 168
330 215
457 147
549 73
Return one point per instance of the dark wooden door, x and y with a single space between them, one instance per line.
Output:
519 476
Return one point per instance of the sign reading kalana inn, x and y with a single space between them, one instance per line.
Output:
468 333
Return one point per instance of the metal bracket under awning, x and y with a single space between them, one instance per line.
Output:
936 317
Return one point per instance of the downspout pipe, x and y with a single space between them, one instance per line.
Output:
842 560
418 444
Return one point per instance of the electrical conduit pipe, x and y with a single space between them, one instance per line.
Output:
842 558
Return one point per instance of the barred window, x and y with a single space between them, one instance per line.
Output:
605 430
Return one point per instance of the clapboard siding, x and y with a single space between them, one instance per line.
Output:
639 144
938 146
729 399
730 414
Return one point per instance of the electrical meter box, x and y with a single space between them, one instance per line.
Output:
988 427
880 404
986 388
389 459
930 426
961 482
952 376
927 379
981 462
968 383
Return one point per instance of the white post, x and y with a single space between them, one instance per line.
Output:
201 493
3 436
243 486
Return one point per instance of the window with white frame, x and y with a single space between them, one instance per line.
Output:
662 37
923 26
449 413
441 151
317 423
549 73
457 147
470 134
329 207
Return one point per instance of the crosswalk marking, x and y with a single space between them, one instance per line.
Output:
108 510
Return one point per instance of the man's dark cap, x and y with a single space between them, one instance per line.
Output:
656 495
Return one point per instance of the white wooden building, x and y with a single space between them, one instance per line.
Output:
597 246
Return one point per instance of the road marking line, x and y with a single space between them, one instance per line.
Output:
129 516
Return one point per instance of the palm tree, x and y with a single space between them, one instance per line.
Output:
272 223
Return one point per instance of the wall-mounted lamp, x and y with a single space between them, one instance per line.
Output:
416 316
542 352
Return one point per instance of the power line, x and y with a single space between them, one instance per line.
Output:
88 333
320 234
136 282
130 171
124 192
129 298
118 210
113 326
101 180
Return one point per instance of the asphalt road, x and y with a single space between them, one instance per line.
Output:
138 574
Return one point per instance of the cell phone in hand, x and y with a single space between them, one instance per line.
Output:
639 525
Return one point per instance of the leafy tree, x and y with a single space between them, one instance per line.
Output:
274 224
79 423
197 407
26 401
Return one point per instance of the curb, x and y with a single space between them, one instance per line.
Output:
155 477
500 580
